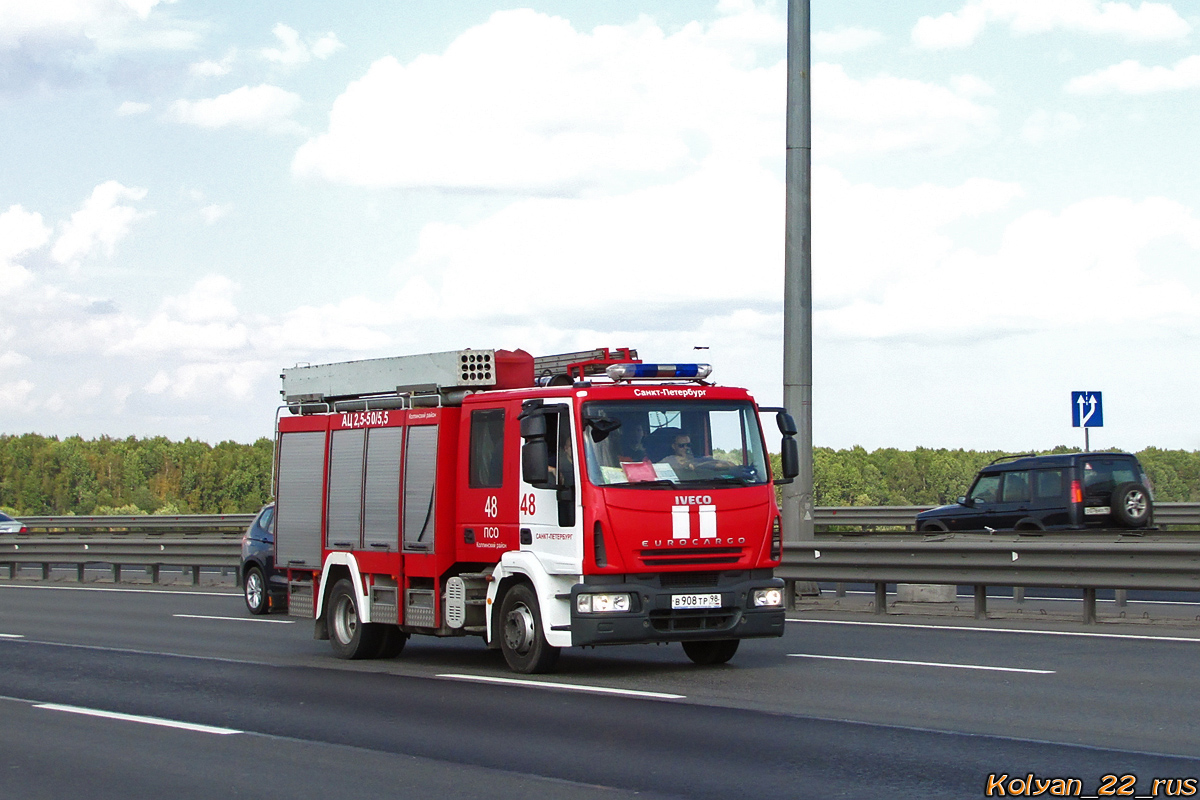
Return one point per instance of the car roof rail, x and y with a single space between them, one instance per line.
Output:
1006 458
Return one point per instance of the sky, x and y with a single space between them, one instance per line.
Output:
1006 205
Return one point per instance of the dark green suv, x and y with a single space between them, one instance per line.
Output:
1060 492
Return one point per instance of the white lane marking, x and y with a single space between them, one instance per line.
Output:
1040 598
925 664
236 619
166 723
1136 636
566 687
114 589
11 636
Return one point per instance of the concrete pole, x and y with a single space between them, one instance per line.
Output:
797 272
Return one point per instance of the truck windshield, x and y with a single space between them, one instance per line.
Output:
647 444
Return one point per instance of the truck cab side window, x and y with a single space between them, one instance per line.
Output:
487 449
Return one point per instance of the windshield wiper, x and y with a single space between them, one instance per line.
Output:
658 484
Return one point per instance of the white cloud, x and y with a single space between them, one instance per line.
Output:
1075 270
101 222
215 212
1131 77
236 380
110 25
871 238
131 108
263 107
214 69
15 396
1147 22
20 232
683 251
11 359
1043 126
972 86
885 113
19 20
845 40
524 102
209 300
293 51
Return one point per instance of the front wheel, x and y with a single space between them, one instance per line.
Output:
256 591
348 636
521 640
709 653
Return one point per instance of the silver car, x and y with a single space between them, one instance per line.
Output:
10 525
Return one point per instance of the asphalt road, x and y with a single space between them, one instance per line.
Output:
148 692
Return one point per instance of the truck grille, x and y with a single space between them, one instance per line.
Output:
698 620
672 580
712 556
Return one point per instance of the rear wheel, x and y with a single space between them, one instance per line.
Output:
708 653
348 636
255 591
521 640
391 641
1130 505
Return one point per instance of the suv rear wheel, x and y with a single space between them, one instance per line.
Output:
256 592
1130 505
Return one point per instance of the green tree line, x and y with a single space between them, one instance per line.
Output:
42 475
46 476
925 476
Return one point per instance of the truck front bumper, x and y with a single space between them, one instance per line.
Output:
652 617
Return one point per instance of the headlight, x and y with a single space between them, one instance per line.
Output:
602 603
768 597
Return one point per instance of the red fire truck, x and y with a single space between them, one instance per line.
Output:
575 500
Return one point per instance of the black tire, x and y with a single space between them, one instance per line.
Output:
933 527
708 653
254 591
391 642
348 636
1130 505
520 629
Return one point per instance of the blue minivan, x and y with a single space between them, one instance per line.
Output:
1056 492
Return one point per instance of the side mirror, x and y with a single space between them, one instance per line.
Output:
533 425
566 506
601 426
789 458
787 425
535 461
966 501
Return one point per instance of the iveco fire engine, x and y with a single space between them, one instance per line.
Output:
576 500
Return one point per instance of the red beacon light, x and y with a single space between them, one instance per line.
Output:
651 372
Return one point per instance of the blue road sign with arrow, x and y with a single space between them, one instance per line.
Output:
1086 410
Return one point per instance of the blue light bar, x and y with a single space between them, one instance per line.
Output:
644 372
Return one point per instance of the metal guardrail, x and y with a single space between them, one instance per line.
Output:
1174 514
152 542
1164 559
191 523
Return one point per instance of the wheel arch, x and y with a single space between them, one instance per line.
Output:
520 566
340 565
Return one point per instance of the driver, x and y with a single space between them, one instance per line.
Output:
680 458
